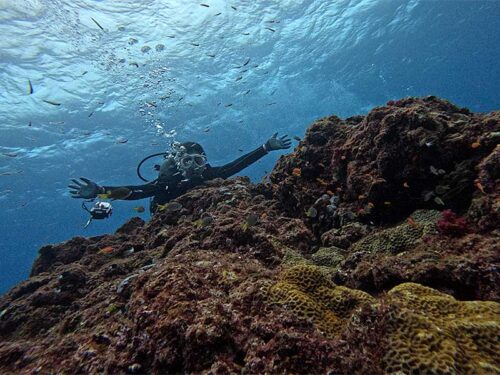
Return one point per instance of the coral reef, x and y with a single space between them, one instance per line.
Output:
357 256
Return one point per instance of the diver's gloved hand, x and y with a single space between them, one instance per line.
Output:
89 190
275 143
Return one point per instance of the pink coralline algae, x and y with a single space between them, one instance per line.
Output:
451 224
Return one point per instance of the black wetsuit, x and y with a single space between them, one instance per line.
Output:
169 184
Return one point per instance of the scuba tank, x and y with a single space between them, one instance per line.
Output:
100 210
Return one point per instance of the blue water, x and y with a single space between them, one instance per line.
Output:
321 57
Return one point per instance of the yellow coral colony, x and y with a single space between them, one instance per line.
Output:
427 331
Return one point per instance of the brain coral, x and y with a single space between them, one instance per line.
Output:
402 237
427 331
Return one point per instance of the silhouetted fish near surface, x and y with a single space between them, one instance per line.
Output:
238 78
246 62
205 5
270 29
91 113
51 102
195 44
234 7
218 14
210 55
247 92
171 36
10 154
246 33
85 72
134 64
29 123
296 138
228 105
97 23
121 140
30 87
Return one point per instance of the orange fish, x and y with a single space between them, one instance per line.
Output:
412 222
480 187
106 250
297 172
475 145
321 181
263 216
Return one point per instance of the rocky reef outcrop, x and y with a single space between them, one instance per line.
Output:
372 248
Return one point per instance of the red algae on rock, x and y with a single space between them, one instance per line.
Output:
382 202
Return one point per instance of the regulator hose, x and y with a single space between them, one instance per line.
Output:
138 170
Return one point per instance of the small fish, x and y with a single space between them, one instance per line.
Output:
29 124
10 173
246 33
270 29
210 55
322 182
159 47
250 221
434 170
205 5
234 7
91 113
387 203
145 49
118 193
273 92
480 187
296 138
151 104
10 154
170 207
297 172
238 78
311 212
139 209
30 87
97 23
405 184
240 150
206 130
195 44
428 195
171 36
412 222
441 189
121 140
134 64
85 72
204 221
247 92
438 201
361 197
106 250
218 14
228 105
246 62
51 102
273 103
475 145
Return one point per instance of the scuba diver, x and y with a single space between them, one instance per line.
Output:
184 167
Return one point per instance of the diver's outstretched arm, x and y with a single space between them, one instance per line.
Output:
88 189
244 161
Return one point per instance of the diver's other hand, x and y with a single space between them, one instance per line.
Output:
86 189
275 143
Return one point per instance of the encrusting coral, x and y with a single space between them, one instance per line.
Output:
426 330
401 237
